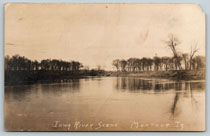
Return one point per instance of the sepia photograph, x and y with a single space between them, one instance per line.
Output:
104 67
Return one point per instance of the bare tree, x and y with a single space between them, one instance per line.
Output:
172 43
193 50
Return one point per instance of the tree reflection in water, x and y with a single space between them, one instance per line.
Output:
176 98
192 87
156 85
180 88
56 88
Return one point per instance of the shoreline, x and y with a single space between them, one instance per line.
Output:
56 78
172 74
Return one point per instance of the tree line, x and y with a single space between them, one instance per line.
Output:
21 70
179 61
159 63
21 63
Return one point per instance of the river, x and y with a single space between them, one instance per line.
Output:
106 103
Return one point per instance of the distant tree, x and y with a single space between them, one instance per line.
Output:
199 62
54 64
193 50
130 64
185 58
69 65
144 63
166 62
149 63
157 62
45 64
123 64
75 65
15 62
133 64
116 64
7 63
36 65
29 65
21 63
139 64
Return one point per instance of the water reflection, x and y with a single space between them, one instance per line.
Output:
180 89
194 102
55 88
18 93
176 98
106 99
157 85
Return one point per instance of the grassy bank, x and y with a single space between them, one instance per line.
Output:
176 75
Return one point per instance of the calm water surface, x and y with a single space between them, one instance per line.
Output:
106 103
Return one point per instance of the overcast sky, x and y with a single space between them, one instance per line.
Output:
96 34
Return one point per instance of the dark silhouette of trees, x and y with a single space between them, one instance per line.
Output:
143 63
19 63
130 63
159 63
149 64
45 64
20 69
122 64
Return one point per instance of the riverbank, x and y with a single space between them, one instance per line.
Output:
24 77
42 76
175 74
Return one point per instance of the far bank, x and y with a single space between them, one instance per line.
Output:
172 74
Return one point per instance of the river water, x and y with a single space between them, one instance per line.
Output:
106 104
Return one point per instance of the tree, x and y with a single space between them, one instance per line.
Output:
199 62
133 64
116 64
130 64
185 58
139 64
157 62
36 65
172 43
149 64
144 63
166 62
122 64
75 65
193 50
7 63
45 64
